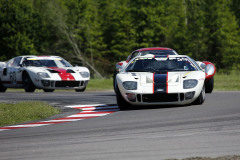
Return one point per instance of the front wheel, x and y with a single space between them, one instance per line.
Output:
28 84
201 97
115 81
122 103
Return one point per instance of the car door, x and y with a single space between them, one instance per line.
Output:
12 73
6 74
17 72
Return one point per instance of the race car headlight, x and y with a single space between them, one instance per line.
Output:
130 85
84 74
190 83
43 75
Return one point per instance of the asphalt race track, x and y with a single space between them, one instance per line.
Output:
163 132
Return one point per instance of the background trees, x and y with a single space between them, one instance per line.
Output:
98 33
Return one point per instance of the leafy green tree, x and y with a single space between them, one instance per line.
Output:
235 7
16 28
197 32
118 31
223 42
99 33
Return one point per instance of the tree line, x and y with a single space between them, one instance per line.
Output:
99 33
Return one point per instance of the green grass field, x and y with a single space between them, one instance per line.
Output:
100 85
25 111
223 82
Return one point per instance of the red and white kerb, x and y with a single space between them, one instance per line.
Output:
87 111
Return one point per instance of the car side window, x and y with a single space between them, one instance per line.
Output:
134 54
16 61
10 63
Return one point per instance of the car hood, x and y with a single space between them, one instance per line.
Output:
57 70
172 78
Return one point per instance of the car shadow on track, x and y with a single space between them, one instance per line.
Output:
156 107
146 107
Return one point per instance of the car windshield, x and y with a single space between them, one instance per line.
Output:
60 63
159 52
162 64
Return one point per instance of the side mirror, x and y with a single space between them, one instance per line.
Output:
203 66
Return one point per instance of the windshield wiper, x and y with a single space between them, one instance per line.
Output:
135 70
178 70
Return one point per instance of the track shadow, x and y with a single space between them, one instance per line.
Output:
150 107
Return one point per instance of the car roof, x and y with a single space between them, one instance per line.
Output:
39 56
160 56
153 48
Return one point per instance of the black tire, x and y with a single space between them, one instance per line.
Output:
209 85
2 88
122 103
27 83
201 97
48 90
81 90
114 81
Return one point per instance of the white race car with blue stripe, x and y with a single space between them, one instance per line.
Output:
209 67
160 80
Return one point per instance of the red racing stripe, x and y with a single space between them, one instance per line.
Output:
153 83
63 74
167 84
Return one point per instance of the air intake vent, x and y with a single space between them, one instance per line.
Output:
70 71
52 71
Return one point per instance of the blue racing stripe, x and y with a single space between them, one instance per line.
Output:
160 83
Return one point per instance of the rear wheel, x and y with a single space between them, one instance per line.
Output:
48 90
28 84
201 97
122 103
2 88
209 85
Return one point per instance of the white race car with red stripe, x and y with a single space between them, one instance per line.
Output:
42 72
207 66
160 80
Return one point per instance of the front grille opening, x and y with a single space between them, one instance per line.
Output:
160 97
81 83
67 83
181 96
139 98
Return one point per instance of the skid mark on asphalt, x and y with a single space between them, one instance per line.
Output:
87 111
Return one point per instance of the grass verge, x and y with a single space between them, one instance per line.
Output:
223 82
25 111
100 85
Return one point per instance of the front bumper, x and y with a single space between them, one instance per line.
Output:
162 98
